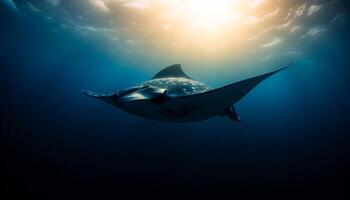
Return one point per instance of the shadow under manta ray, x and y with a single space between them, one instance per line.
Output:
173 96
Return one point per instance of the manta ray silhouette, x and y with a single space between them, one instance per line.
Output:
173 96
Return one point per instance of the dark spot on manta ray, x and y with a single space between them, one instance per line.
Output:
173 96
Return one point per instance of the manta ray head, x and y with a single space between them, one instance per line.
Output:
142 101
136 95
139 93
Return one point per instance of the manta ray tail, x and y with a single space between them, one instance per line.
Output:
232 114
108 98
250 130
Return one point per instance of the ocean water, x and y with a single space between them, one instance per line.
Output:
56 141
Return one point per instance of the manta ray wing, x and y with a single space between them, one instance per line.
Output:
230 94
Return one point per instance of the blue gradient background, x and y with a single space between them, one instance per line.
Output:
56 141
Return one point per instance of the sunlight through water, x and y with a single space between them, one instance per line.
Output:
234 32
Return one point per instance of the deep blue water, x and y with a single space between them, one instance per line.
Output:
56 140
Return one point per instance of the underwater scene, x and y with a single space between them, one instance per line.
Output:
114 99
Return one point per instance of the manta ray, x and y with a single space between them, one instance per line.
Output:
173 96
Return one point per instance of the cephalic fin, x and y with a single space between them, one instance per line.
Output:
108 98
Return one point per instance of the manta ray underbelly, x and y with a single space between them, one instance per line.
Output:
168 104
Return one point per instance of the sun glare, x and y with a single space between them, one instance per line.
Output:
209 14
209 25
